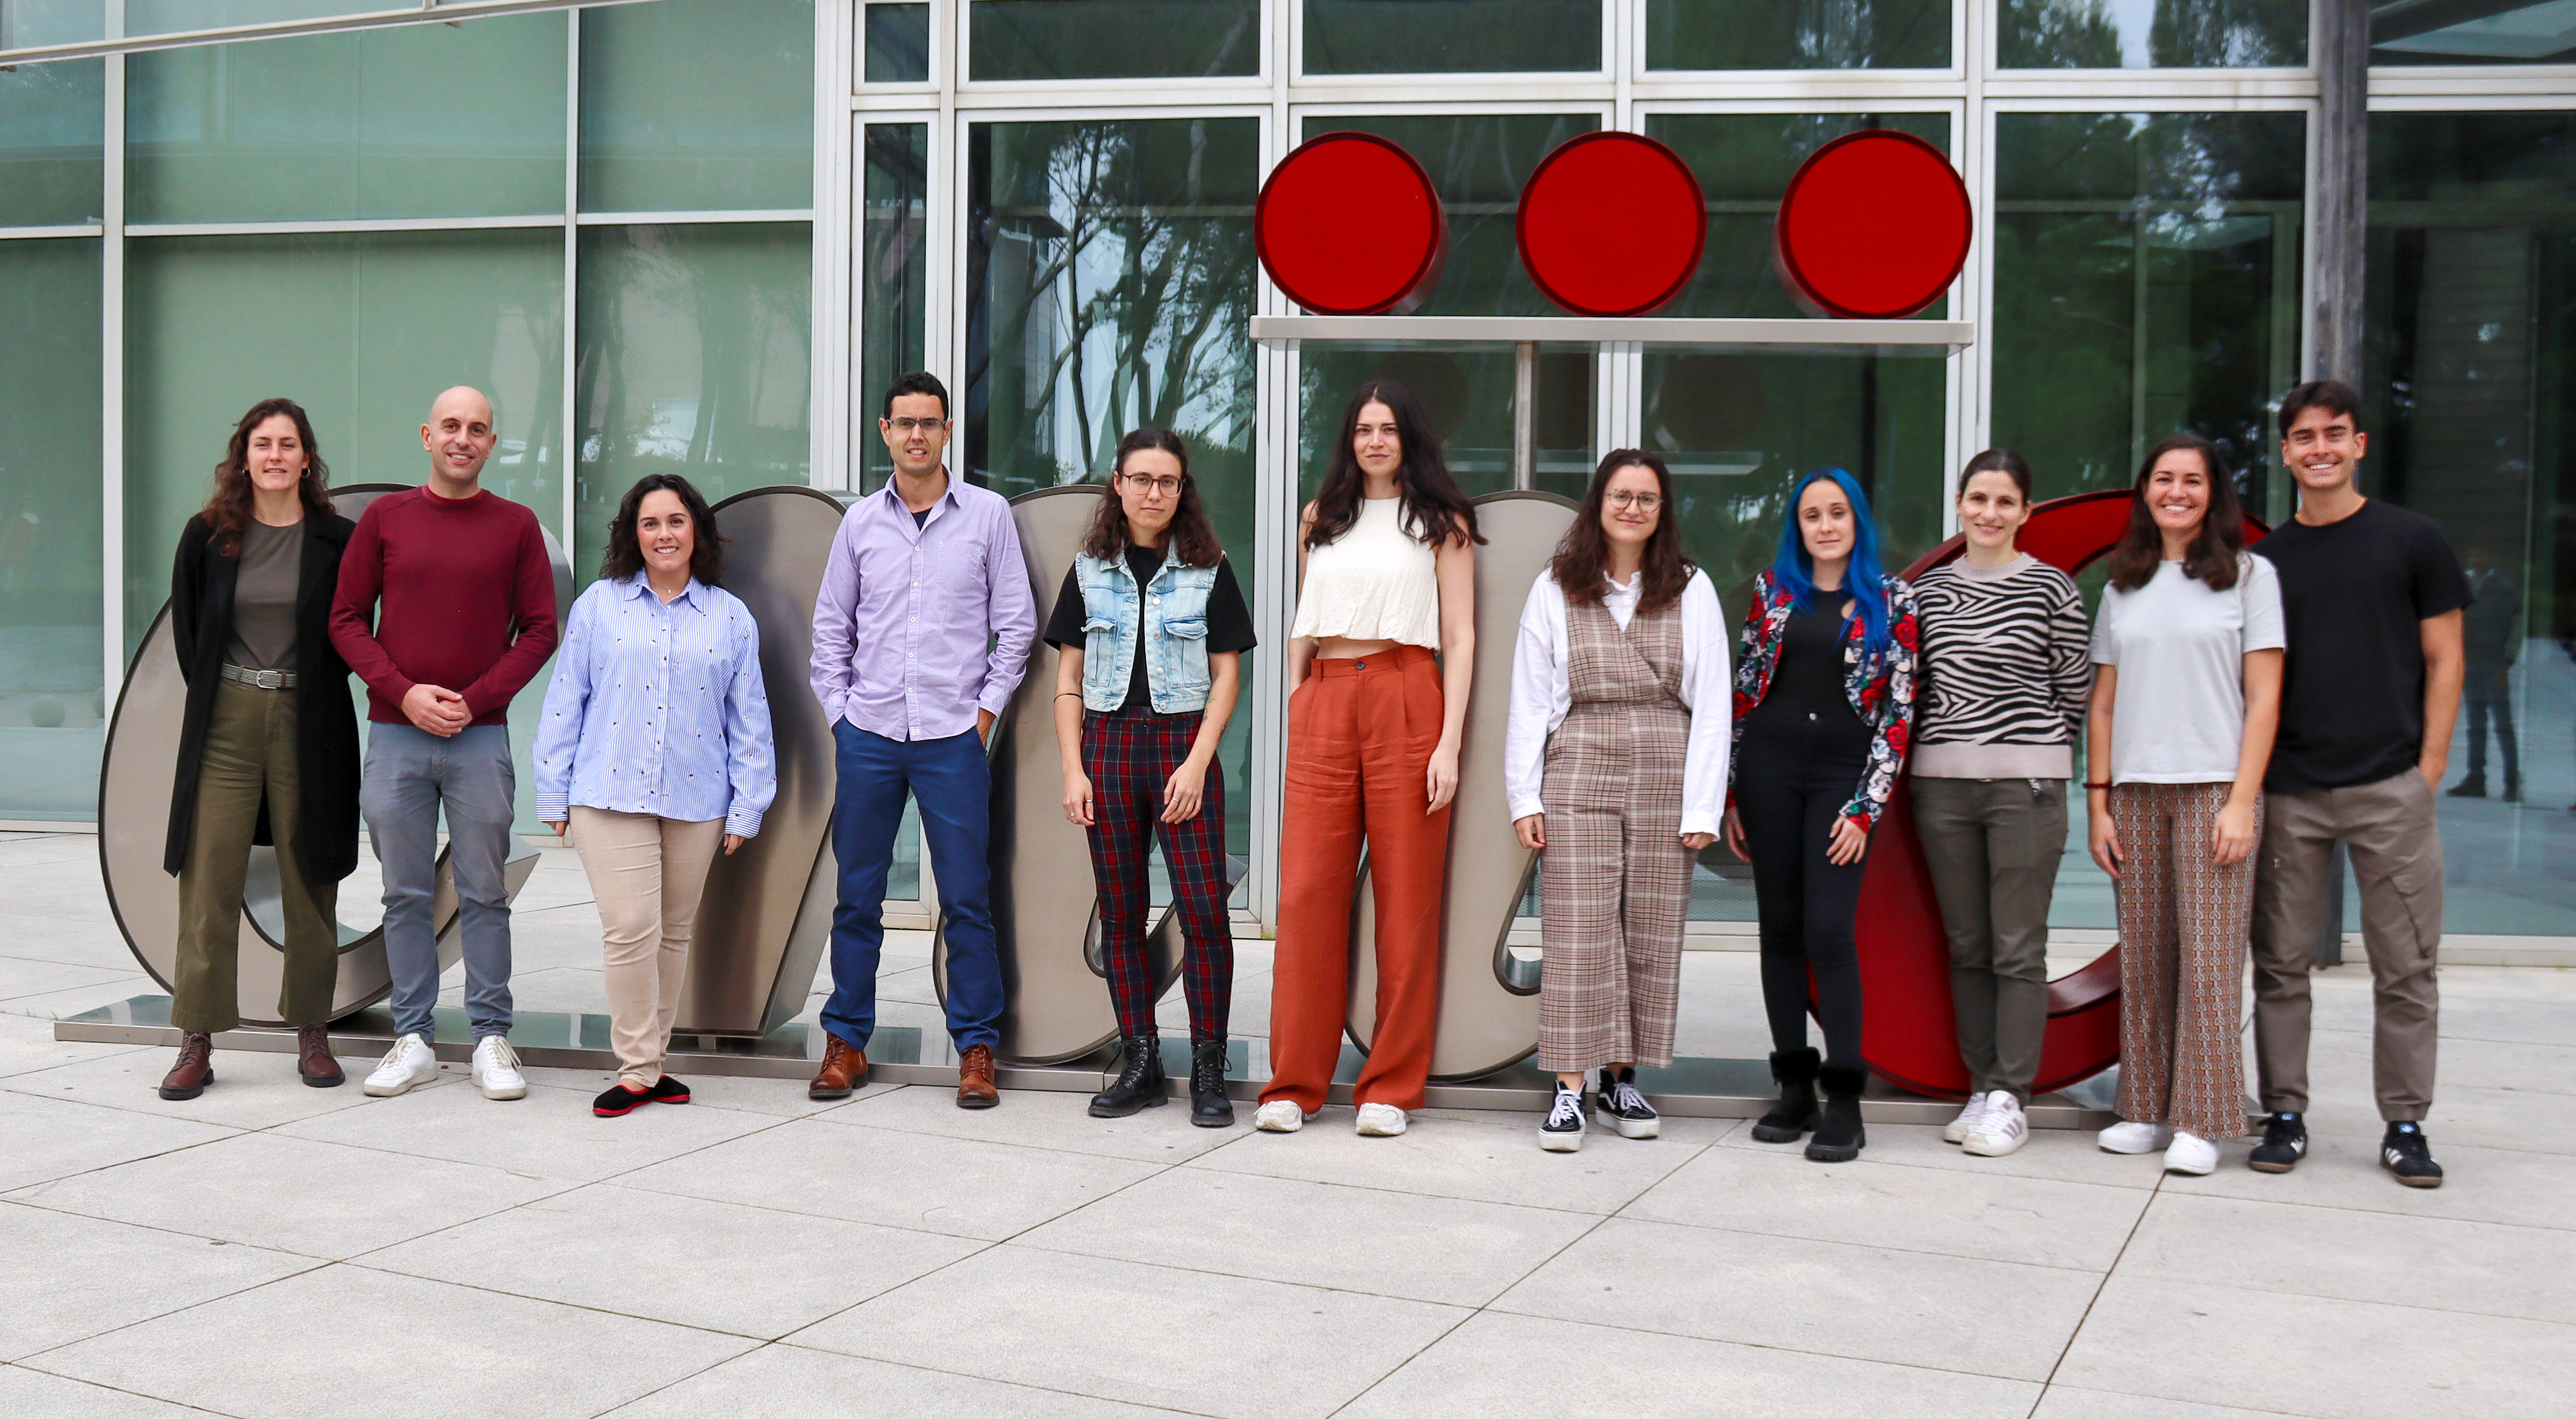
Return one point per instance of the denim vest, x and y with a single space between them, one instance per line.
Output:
1176 657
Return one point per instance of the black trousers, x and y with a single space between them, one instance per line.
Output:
1793 774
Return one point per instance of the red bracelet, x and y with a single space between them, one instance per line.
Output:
2091 786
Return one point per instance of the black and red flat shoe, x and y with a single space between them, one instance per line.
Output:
669 1091
619 1101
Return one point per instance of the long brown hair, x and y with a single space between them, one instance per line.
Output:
2214 551
624 555
1583 558
227 512
1431 509
1191 539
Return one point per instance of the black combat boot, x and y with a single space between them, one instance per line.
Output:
1209 1107
1139 1084
1795 1071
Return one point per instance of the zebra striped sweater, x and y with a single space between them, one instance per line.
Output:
2005 674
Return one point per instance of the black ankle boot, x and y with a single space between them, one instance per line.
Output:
1839 1137
1140 1081
1795 1071
1209 1107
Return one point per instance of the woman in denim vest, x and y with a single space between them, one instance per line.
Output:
1152 628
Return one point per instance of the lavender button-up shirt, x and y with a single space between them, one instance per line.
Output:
916 628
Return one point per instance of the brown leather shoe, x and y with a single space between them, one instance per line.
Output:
975 1078
313 1060
845 1067
195 1069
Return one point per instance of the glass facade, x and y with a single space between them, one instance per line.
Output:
1114 39
1452 36
697 105
1797 34
53 700
2152 34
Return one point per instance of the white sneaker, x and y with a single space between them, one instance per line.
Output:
1279 1116
2132 1137
2191 1155
2000 1130
409 1062
1958 1129
1381 1121
496 1068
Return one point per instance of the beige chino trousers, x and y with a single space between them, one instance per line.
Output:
648 874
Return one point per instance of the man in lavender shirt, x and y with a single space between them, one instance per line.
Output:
921 633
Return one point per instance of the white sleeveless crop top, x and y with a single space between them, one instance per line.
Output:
1374 584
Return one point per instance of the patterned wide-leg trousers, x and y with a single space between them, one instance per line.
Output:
2184 927
1614 888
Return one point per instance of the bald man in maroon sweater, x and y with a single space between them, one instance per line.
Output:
461 596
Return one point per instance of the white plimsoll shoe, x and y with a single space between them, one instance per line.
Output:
1958 1129
496 1068
409 1062
2129 1136
1279 1116
2000 1130
1381 1121
2192 1156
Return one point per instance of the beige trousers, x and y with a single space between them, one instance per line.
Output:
648 874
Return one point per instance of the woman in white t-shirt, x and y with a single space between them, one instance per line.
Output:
2185 700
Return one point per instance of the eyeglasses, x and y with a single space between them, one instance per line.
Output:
1167 487
1642 502
905 426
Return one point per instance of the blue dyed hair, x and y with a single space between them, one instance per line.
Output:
1794 568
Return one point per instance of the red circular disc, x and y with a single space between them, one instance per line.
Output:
1874 226
1349 225
1612 224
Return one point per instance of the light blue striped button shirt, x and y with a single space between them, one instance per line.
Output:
657 708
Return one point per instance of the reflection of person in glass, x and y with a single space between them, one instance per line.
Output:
2491 636
654 744
1375 718
1615 765
268 744
2186 696
2005 680
1824 703
1153 628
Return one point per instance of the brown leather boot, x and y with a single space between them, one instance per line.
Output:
975 1078
313 1059
195 1069
845 1067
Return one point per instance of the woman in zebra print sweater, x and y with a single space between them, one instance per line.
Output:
2006 684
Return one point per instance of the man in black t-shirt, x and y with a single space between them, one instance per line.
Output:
2371 598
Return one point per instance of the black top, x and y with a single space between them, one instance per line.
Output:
921 518
1808 680
1229 621
2353 595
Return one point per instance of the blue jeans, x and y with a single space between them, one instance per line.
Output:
954 786
410 774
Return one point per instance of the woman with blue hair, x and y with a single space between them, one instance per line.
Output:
1824 701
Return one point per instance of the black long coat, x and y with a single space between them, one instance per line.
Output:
326 726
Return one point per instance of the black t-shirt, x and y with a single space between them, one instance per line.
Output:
2352 596
1229 621
1808 680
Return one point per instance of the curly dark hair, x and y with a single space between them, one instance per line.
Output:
625 555
228 510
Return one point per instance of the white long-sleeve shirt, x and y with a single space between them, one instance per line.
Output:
1541 694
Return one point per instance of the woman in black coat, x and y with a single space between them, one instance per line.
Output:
268 748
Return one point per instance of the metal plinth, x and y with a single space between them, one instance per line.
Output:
1692 1088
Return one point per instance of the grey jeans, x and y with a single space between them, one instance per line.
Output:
1992 846
410 774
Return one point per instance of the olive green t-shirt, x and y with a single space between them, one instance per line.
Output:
264 597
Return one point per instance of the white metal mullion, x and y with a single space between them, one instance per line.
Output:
78 229
833 246
1972 299
569 459
1274 494
111 370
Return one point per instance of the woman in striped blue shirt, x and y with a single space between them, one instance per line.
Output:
653 746
2005 686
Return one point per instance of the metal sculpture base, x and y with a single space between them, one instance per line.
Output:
1692 1088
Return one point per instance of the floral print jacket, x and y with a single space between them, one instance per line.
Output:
1881 691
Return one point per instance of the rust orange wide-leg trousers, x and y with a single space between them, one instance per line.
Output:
1360 736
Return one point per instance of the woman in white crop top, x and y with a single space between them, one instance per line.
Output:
1374 721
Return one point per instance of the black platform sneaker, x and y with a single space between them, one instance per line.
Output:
1624 1109
2285 1142
2405 1152
1563 1131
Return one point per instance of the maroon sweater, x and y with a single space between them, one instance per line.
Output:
456 576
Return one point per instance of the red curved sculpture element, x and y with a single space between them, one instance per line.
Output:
1305 233
1908 1035
1874 226
1612 224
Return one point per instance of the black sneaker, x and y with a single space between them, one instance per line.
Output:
668 1091
2405 1152
1624 1109
1563 1131
2285 1142
618 1101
